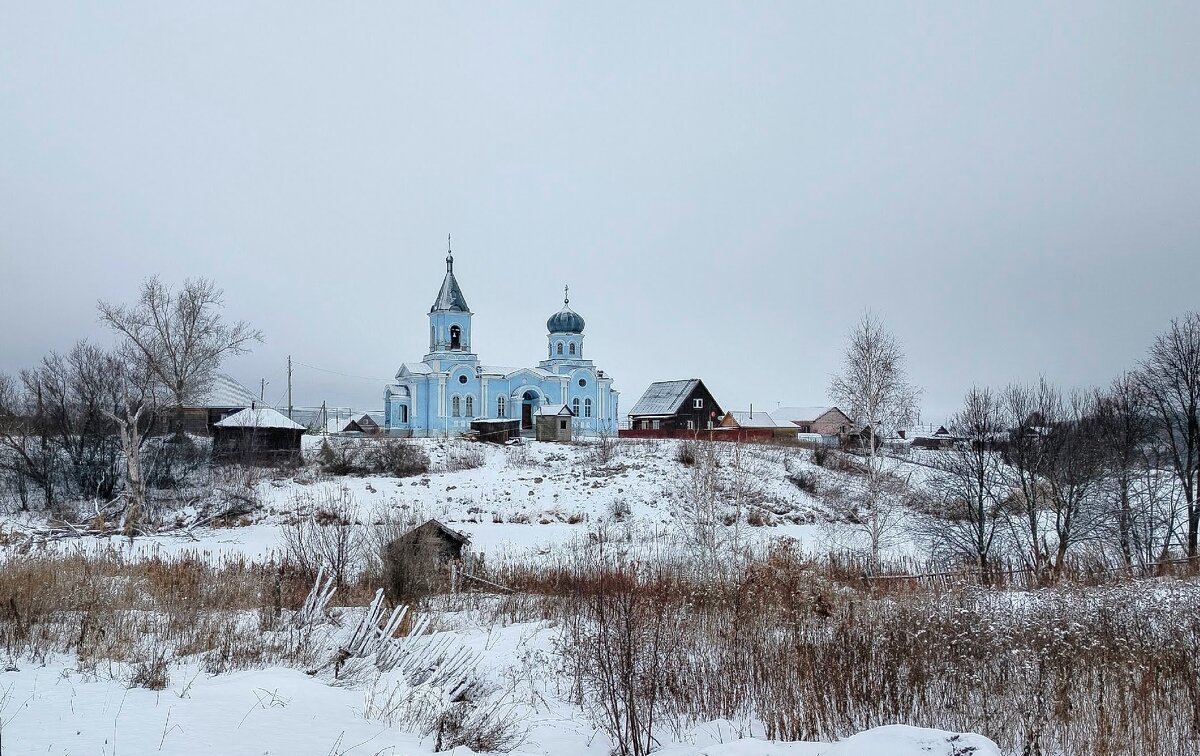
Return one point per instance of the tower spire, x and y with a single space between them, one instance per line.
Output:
566 295
449 256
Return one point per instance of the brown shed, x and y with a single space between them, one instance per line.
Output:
258 435
415 563
553 422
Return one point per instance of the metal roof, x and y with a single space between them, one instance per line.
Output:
225 392
664 397
785 415
554 409
450 297
759 419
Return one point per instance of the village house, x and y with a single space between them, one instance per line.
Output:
221 398
257 434
685 405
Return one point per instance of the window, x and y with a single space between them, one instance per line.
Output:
691 425
456 406
575 406
404 413
655 425
572 349
582 382
560 347
470 406
562 424
462 379
587 407
455 337
697 404
500 407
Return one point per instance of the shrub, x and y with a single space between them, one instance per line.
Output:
820 455
685 453
806 482
153 673
395 456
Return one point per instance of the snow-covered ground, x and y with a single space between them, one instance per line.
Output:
523 501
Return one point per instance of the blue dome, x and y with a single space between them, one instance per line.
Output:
565 320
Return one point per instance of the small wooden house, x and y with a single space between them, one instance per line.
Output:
257 435
553 422
685 405
416 562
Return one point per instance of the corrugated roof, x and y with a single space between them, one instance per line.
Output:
259 417
664 397
785 415
226 393
759 419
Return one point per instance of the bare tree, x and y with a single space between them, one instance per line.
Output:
1124 430
178 337
874 389
1029 413
1075 470
136 407
969 481
1170 378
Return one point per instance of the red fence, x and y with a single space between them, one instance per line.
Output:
756 435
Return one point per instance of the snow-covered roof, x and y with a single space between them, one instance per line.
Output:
664 397
258 417
759 419
417 368
225 392
554 409
785 415
507 371
342 425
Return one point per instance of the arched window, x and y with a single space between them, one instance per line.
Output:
470 406
455 337
456 406
500 407
560 347
575 406
587 407
572 350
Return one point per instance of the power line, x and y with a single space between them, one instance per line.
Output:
344 375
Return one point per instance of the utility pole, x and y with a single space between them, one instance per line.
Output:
324 420
289 387
262 389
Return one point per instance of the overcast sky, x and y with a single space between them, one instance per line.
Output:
1013 187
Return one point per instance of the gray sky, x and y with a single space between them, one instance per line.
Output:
1014 188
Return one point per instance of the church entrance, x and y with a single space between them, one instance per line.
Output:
527 406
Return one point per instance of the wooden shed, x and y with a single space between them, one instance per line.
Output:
416 562
553 422
257 435
497 430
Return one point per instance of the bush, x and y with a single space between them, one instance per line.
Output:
806 482
820 455
685 453
153 673
395 456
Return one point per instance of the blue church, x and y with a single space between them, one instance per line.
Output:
450 387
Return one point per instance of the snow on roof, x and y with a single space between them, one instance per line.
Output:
759 419
785 415
664 397
258 417
419 368
225 392
507 371
554 409
342 425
